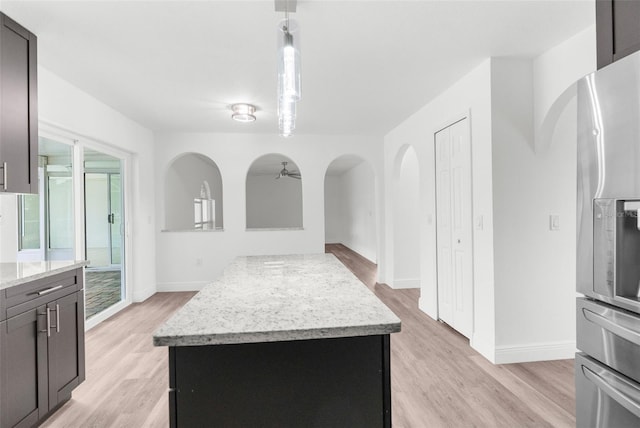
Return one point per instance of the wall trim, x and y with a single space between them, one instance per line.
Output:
535 352
181 286
140 295
484 347
107 313
432 312
406 283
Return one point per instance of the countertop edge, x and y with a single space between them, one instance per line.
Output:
50 272
277 336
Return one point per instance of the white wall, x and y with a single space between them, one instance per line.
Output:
8 228
65 107
333 197
358 211
406 221
273 203
471 95
188 260
523 139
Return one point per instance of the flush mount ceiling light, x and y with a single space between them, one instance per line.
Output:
288 68
243 112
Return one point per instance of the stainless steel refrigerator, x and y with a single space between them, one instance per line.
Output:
608 245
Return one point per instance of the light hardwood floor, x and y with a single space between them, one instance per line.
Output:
437 379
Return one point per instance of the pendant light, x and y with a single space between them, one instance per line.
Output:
289 92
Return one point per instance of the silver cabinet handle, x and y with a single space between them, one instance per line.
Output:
49 290
617 329
48 322
57 318
4 175
623 392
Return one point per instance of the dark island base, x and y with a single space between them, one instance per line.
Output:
304 383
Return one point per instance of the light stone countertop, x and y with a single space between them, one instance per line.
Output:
279 298
16 273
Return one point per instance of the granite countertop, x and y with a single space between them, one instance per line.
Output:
279 298
16 273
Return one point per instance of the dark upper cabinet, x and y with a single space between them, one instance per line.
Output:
18 108
617 29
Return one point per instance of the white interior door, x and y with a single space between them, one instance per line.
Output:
454 222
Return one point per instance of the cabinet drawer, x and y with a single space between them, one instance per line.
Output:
23 297
610 335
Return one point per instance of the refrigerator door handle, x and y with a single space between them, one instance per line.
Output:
624 393
617 329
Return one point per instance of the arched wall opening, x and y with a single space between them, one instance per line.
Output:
350 205
406 219
274 193
193 194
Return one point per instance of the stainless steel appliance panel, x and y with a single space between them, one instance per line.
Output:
604 398
608 165
610 335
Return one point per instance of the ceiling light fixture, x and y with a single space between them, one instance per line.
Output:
288 71
243 112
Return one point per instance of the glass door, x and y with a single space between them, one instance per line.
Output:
45 221
103 232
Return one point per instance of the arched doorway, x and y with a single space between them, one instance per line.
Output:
350 205
406 220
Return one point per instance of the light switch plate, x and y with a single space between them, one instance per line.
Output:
554 222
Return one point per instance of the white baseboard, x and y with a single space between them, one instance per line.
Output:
431 312
535 352
181 286
406 283
484 347
142 295
107 313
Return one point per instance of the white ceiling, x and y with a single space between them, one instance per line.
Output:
366 65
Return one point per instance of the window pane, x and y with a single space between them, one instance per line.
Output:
60 212
29 222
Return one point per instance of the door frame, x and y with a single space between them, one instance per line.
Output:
80 142
452 121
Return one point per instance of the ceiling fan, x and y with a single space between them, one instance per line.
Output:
286 173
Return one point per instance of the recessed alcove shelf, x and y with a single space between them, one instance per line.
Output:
193 195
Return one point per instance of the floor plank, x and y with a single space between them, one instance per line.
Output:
438 380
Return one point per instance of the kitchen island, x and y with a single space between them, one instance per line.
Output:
281 341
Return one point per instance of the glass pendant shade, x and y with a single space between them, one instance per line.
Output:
286 116
288 61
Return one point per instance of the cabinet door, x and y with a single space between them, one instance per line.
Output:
66 347
617 29
18 109
23 377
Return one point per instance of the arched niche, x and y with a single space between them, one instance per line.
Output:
406 219
350 213
274 196
193 194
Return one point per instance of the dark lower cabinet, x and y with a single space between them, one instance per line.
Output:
41 350
23 358
339 382
617 29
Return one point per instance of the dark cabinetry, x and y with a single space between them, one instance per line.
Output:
617 28
41 347
18 108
